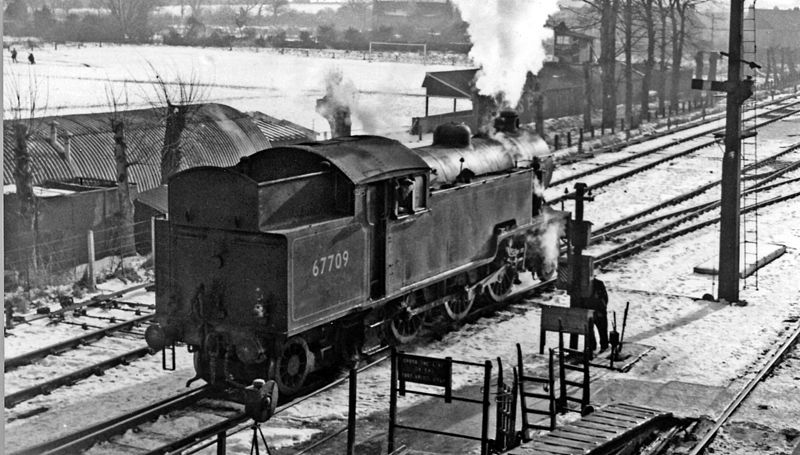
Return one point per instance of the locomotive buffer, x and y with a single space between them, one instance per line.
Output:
738 91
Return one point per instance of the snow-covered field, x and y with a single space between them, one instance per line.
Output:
74 80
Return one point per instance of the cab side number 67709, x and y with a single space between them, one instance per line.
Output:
331 262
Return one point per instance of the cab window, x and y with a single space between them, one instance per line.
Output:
410 195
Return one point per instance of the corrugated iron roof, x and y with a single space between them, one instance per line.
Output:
216 135
281 132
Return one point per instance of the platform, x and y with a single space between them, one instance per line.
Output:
767 252
603 431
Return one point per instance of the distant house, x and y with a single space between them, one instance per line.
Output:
570 46
777 28
422 14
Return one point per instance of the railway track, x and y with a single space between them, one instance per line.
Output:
75 315
775 359
220 421
653 157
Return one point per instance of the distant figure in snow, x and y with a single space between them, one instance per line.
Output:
13 55
31 60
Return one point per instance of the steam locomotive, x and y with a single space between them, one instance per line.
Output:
304 256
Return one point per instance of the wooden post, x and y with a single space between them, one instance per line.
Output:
221 442
556 142
455 100
562 374
487 385
153 240
580 140
587 95
392 401
569 138
351 411
426 105
92 284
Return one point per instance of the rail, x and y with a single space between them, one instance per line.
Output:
649 165
737 400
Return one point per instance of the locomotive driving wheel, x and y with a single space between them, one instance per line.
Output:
500 288
403 327
293 365
457 308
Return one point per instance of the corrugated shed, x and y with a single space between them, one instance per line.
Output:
215 135
281 132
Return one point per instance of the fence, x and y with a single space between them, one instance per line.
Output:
59 257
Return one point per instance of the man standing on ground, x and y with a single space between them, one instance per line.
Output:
599 303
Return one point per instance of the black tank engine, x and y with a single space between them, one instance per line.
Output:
302 257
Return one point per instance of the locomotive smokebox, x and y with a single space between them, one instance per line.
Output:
337 115
484 110
507 122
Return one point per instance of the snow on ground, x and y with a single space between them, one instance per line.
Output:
695 341
75 80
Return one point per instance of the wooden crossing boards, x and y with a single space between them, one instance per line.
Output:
601 432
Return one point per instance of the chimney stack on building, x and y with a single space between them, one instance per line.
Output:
337 115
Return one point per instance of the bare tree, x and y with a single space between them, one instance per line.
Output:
679 15
276 6
132 16
608 41
178 99
121 159
22 105
663 15
628 30
650 30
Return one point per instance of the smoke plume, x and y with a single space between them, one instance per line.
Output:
506 40
341 100
542 250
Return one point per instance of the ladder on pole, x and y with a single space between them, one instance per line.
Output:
749 135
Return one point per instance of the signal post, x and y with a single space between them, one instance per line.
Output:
738 91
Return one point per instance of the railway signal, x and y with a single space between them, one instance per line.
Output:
738 91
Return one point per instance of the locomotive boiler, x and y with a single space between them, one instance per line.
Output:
304 256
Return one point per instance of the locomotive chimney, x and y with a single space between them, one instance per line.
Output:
507 122
484 109
337 115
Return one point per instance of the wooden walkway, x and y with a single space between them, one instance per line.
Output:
600 432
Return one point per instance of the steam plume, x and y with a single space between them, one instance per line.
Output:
542 250
507 42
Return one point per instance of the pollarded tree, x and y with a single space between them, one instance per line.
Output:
22 105
122 164
177 99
